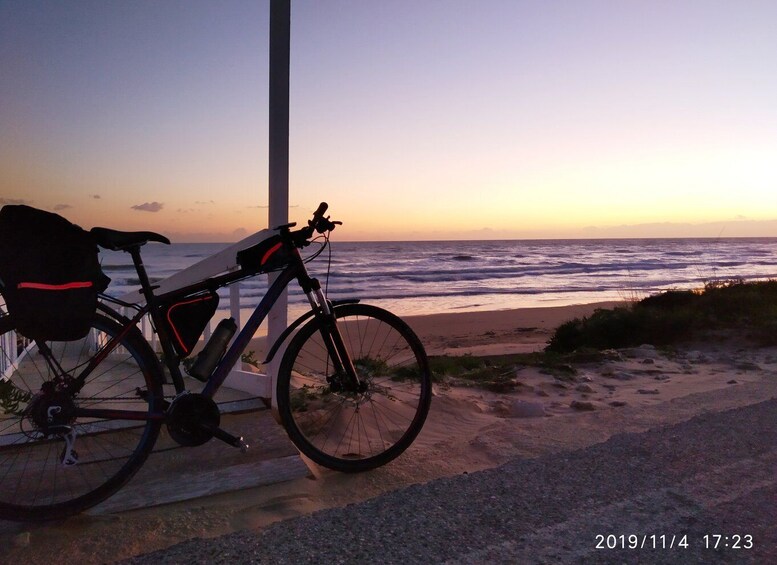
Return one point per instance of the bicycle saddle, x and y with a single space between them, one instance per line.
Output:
122 240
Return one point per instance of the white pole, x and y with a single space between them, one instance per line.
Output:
280 36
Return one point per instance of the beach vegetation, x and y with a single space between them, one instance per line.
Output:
301 398
12 398
501 373
249 358
497 374
747 310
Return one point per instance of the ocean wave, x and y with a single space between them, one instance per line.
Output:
437 272
486 272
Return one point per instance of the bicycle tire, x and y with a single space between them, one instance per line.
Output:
50 471
354 432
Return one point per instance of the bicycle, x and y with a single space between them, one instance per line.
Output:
79 418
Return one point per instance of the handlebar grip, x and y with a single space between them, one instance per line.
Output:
319 213
319 223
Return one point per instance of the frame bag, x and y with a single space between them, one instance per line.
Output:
186 319
50 275
265 256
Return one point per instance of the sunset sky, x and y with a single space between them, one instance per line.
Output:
414 119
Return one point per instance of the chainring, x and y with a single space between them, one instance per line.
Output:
192 418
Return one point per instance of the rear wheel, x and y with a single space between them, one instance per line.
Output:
355 430
53 460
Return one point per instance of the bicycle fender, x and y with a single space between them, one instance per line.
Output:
297 323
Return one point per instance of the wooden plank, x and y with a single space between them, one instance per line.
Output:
173 473
241 406
187 486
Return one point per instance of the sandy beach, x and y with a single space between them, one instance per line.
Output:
469 429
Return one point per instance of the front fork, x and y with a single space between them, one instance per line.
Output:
333 339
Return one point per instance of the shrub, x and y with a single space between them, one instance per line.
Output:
672 316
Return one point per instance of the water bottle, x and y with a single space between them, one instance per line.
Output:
214 350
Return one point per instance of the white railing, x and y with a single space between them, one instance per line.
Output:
10 356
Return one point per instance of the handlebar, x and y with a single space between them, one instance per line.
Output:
318 218
319 224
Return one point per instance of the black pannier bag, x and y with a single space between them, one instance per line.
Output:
186 319
265 256
50 274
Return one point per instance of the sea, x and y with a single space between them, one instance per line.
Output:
426 277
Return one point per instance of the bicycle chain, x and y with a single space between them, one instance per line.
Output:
114 398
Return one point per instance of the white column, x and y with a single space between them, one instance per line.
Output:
280 32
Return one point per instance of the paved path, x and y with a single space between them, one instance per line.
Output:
713 475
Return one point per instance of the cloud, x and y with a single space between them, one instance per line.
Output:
148 207
59 207
4 201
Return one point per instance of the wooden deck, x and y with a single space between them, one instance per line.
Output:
173 473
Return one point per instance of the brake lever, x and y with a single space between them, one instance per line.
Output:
324 225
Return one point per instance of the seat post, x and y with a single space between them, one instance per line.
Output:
140 268
171 360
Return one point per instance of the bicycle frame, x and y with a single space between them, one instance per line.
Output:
319 306
295 270
245 335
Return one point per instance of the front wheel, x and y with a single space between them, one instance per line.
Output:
355 430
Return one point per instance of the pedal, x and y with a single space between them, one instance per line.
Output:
229 439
